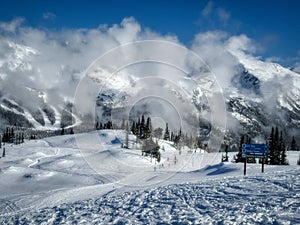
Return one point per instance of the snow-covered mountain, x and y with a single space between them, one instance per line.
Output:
25 99
259 95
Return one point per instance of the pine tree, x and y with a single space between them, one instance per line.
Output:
133 128
294 146
271 146
277 152
298 162
71 131
172 136
283 159
0 141
3 153
167 134
62 131
238 157
148 128
142 128
137 128
12 135
127 136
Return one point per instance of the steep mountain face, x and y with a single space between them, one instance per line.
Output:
264 95
22 102
260 95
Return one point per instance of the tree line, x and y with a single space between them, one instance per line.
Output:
9 136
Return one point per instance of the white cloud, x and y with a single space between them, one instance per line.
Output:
60 57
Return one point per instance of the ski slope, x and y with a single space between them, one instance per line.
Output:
52 181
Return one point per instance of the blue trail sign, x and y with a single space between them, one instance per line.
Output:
254 150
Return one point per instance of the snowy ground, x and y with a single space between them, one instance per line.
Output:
51 181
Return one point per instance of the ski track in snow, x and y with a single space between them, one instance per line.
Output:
275 200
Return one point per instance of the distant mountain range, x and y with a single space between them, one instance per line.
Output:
260 95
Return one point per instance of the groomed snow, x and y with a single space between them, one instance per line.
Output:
49 181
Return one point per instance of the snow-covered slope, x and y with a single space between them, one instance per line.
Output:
49 181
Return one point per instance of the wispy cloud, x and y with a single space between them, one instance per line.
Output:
10 27
223 15
49 16
207 10
214 15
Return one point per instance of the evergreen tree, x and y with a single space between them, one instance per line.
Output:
148 128
137 128
71 131
3 153
294 146
133 128
172 136
0 141
12 135
298 162
238 158
109 125
272 146
277 149
127 135
167 134
5 135
142 128
62 131
283 159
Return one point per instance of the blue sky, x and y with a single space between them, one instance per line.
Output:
273 25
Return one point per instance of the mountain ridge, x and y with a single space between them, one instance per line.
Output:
259 95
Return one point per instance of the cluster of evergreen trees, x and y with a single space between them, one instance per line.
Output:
144 132
102 126
142 129
277 148
181 140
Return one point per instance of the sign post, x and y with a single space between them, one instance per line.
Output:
245 166
254 151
